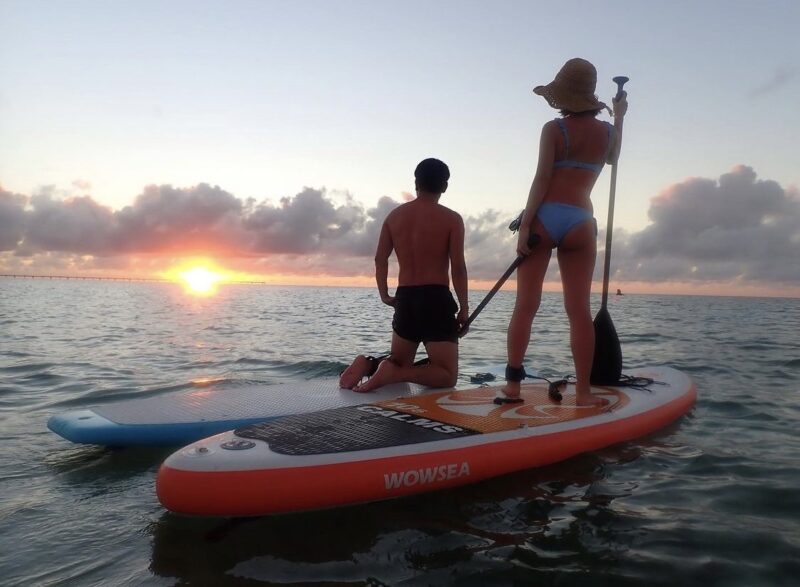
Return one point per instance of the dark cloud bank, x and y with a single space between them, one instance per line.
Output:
736 228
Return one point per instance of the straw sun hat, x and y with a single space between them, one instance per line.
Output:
573 88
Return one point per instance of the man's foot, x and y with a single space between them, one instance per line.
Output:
589 400
385 374
358 369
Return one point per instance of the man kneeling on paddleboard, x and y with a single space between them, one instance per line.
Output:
427 239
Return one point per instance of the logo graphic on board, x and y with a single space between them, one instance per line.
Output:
474 409
535 407
426 475
402 416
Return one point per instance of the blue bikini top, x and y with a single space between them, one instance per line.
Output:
567 162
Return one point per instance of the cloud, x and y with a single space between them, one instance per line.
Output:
305 223
82 185
201 220
738 227
77 225
780 78
12 219
490 246
735 229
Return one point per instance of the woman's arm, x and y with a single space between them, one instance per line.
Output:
544 171
620 108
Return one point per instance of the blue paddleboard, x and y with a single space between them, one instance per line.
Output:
181 418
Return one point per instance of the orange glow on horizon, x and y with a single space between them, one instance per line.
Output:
202 276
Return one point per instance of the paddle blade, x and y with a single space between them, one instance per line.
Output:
607 363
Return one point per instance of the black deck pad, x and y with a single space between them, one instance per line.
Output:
348 429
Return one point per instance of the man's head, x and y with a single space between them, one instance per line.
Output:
431 176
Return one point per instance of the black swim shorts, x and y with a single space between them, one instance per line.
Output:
425 313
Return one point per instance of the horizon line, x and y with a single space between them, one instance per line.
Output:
358 286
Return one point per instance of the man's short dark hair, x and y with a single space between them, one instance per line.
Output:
432 175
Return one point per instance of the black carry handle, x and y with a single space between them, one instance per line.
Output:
533 240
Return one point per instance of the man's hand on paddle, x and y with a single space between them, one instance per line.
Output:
461 319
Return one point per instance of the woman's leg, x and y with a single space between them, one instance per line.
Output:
576 258
530 276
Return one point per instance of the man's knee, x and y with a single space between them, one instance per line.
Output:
452 377
451 368
402 361
447 362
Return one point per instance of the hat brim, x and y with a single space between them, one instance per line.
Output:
563 100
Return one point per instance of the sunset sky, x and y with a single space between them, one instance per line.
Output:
269 139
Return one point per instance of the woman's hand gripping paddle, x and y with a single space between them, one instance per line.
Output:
607 362
533 239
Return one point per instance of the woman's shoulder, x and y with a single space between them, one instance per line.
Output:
552 126
586 122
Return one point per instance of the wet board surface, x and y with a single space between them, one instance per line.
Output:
181 418
393 447
185 417
434 416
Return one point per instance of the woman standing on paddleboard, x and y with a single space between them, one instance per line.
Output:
572 152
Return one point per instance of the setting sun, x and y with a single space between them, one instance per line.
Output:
201 276
200 280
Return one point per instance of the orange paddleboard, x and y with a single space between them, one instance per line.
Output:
408 445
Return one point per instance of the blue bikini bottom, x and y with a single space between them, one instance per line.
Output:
559 219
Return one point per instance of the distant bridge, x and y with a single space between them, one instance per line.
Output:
142 279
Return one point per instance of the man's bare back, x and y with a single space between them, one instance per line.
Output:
428 239
422 233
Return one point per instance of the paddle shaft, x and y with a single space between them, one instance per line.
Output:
532 240
620 81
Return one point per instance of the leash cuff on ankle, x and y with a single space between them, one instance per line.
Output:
515 373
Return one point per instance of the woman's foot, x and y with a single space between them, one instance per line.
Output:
358 369
510 394
385 374
588 400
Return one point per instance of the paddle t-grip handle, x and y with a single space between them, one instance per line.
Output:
620 80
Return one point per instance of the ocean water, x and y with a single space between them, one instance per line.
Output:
714 499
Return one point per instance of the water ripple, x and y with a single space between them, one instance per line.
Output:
710 500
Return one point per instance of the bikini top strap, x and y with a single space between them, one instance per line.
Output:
563 127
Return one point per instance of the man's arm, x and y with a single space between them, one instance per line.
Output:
382 253
458 269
